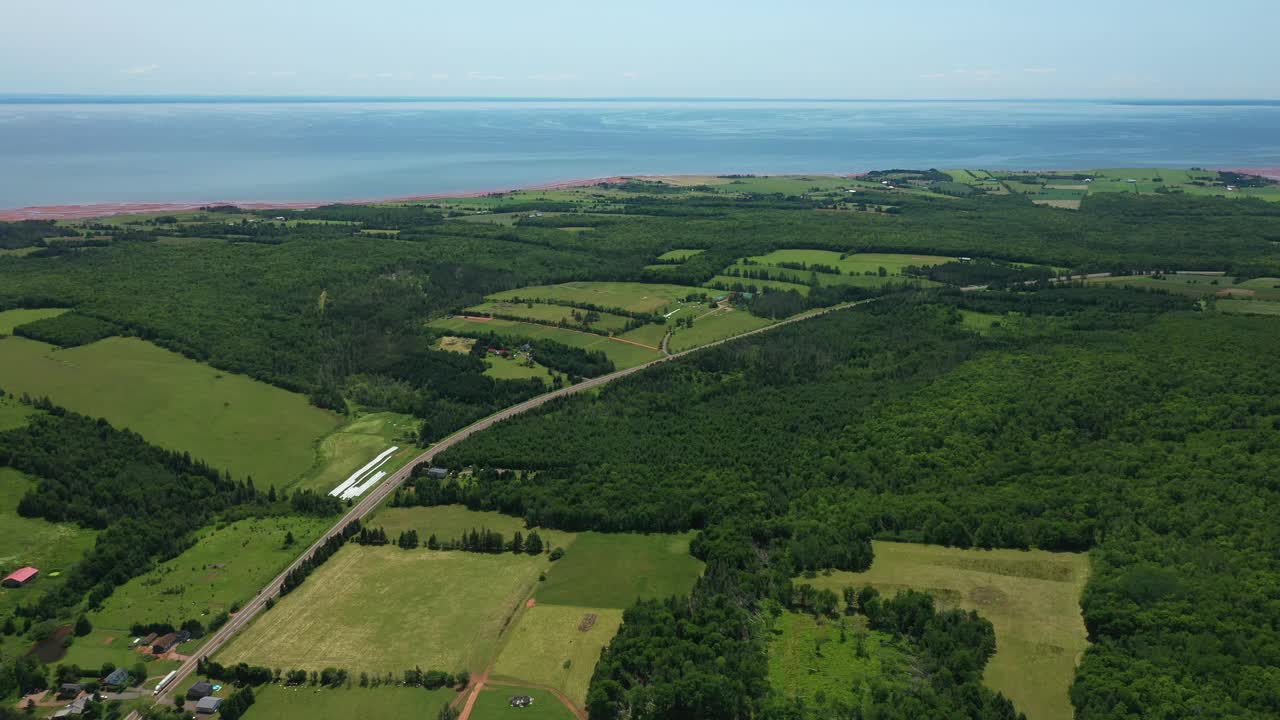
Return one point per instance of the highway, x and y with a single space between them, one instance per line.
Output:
374 498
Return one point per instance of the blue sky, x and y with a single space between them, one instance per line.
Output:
818 48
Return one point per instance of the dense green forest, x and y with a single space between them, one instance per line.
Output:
1122 424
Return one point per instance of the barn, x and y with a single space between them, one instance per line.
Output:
20 577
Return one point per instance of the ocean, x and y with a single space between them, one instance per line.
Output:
71 151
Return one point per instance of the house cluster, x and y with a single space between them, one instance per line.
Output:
206 702
116 681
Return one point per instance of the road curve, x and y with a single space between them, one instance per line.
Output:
375 497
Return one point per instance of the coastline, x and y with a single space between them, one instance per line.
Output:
88 211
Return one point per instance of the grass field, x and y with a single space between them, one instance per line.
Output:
679 254
276 702
650 334
541 312
347 449
715 326
855 264
494 703
10 319
613 570
623 355
730 281
450 521
548 646
51 547
979 321
516 369
1198 286
1032 599
228 420
382 609
634 297
227 565
1249 307
809 656
12 413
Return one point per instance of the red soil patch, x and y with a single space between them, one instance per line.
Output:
530 603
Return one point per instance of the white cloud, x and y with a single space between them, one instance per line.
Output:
1040 70
473 75
979 73
272 73
385 75
141 69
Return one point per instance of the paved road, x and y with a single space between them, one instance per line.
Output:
374 498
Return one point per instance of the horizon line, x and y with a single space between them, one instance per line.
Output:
90 98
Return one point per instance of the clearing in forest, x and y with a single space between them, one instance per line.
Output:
623 354
384 609
1032 598
607 570
350 447
51 547
549 646
839 658
449 522
228 420
10 319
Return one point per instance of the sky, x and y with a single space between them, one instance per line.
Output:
943 49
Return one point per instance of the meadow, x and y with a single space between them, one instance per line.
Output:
837 658
680 254
547 645
513 368
494 703
347 449
1031 597
607 570
12 413
448 522
277 702
227 420
623 354
782 286
716 325
226 567
381 609
630 296
853 264
10 319
51 547
1200 286
544 313
1248 307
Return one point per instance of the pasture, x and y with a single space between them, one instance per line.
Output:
544 313
227 420
347 449
630 296
1198 286
837 658
623 354
1248 307
680 254
729 281
609 570
1032 599
558 646
10 319
51 547
449 522
277 702
381 609
852 264
513 368
12 413
716 325
494 703
226 566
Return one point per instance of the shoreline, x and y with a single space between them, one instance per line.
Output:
88 211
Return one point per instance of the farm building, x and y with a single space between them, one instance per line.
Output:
117 679
67 691
437 473
199 690
21 576
520 701
208 705
75 709
146 641
164 643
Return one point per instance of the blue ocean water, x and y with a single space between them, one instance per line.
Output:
69 151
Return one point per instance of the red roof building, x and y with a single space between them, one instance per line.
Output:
20 577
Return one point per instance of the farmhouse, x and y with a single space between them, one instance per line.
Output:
208 705
21 577
164 643
117 679
520 701
199 691
67 691
75 708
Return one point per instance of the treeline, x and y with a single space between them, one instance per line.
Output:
981 272
30 233
68 329
331 545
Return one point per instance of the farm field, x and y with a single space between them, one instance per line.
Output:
228 420
347 449
277 702
1195 285
680 254
494 703
634 297
716 326
623 355
613 570
650 334
549 646
1248 307
541 312
855 264
448 522
515 369
1032 598
50 547
729 281
103 646
12 413
227 565
10 319
381 609
808 656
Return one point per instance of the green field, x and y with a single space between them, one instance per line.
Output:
544 313
12 413
1032 599
714 326
623 355
613 570
680 254
633 297
650 334
381 609
979 321
1249 307
494 703
10 319
227 565
516 369
730 281
277 702
547 646
854 264
228 420
349 448
1197 285
809 656
50 547
448 522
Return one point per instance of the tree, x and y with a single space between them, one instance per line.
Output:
517 543
289 540
83 626
533 544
